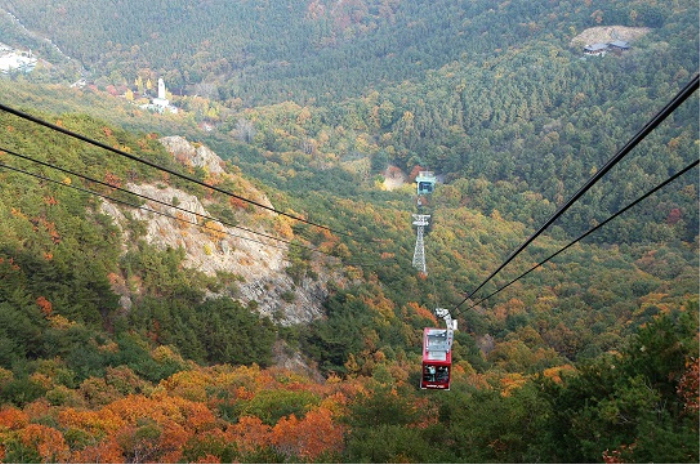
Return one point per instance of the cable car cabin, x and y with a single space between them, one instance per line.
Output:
437 359
426 181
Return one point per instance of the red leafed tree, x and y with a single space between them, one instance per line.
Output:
250 434
421 311
112 180
620 455
13 418
414 172
50 200
237 203
674 216
310 438
47 441
170 442
45 306
106 451
689 386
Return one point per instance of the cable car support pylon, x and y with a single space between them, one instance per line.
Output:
420 221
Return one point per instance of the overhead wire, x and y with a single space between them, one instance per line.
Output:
155 200
63 130
363 263
117 200
659 117
585 234
431 278
680 98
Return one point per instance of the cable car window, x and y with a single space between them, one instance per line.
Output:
425 187
443 374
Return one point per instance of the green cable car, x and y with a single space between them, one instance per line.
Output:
426 181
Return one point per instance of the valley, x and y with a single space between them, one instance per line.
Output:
262 304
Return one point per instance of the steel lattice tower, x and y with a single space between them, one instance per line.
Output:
420 221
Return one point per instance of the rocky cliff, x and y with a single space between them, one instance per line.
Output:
212 246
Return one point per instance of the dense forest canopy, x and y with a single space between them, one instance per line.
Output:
265 52
472 90
593 356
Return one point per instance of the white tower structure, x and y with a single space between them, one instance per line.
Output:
161 103
161 89
420 221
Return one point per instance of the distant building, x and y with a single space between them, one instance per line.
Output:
161 99
161 89
619 45
161 103
600 49
13 60
79 84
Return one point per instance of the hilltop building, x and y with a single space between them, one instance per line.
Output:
161 102
618 45
600 49
16 60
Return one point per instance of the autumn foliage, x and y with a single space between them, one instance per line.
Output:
181 419
309 438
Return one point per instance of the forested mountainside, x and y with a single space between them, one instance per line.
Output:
128 336
114 348
267 52
528 112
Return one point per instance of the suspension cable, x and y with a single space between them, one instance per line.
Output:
147 198
587 233
683 95
133 205
124 154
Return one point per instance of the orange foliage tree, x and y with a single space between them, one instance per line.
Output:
178 419
45 306
12 419
312 437
48 442
250 434
689 386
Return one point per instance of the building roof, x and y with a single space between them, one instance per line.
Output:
619 44
13 60
426 176
598 47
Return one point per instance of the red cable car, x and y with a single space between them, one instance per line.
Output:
437 354
437 359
